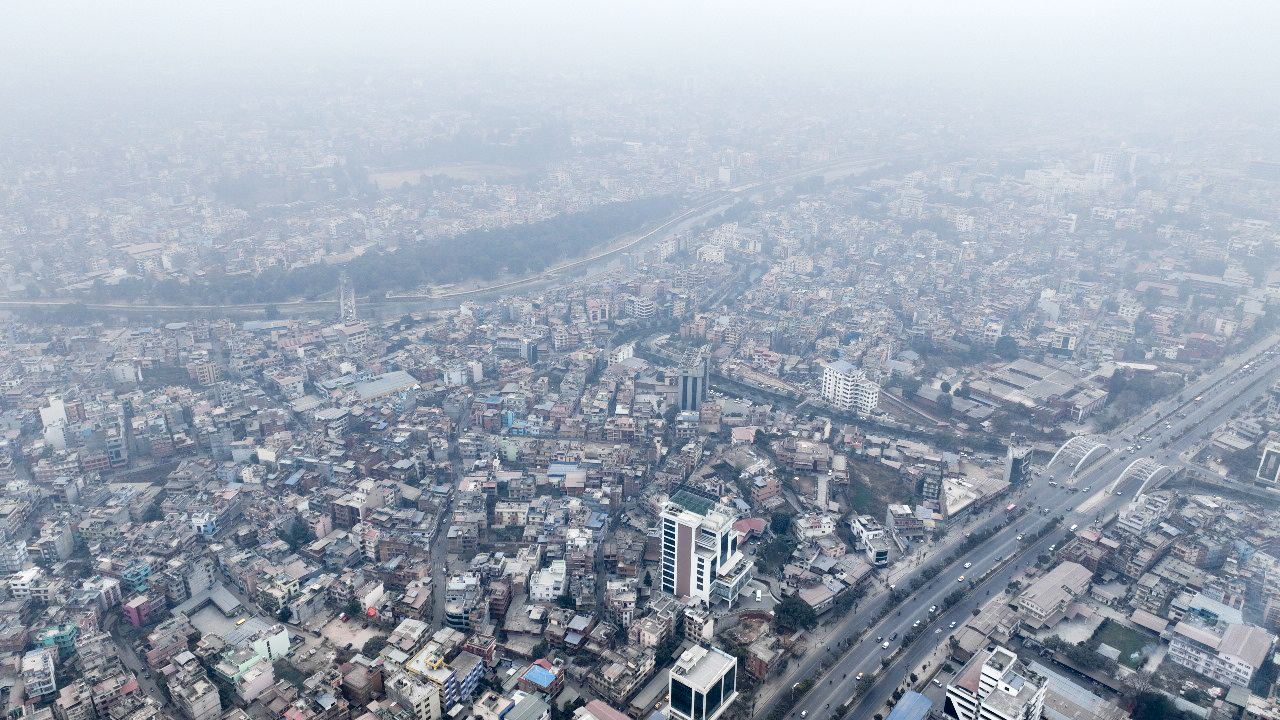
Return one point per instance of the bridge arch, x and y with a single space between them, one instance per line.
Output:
1079 452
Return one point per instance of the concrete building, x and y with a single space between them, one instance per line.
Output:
1227 653
702 684
700 555
38 673
848 388
422 699
693 380
1045 602
198 700
870 538
995 685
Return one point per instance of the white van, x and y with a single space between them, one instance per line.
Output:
1073 528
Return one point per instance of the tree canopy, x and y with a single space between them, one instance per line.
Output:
794 614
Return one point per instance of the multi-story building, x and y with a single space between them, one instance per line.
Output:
703 683
1045 602
693 380
198 700
848 388
1227 653
418 697
995 685
869 537
38 675
700 556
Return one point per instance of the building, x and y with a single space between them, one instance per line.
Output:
995 685
702 684
198 700
700 555
1045 602
1269 468
1227 653
869 537
912 706
38 673
1017 461
848 388
422 699
693 380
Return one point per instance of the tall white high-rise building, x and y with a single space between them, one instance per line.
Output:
703 683
995 685
700 555
1106 162
848 388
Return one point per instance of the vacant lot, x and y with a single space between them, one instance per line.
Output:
1127 640
873 486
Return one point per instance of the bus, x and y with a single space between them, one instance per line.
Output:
1009 510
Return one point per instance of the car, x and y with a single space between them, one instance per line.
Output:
1053 484
933 608
241 621
937 631
968 565
859 676
1119 492
937 682
804 713
1052 548
960 579
915 624
952 625
1086 488
893 636
147 674
885 645
880 638
1019 538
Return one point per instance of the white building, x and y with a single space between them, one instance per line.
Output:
420 698
702 684
848 388
700 556
1145 513
198 700
549 583
1228 653
38 674
995 685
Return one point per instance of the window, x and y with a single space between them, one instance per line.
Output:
681 698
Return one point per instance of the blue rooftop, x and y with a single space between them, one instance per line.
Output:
912 706
540 676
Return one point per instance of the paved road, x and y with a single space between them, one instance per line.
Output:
1220 394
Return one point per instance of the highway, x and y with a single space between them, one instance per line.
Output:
1221 393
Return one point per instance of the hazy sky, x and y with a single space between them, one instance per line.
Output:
1125 43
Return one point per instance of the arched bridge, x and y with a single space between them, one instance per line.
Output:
1079 452
1147 471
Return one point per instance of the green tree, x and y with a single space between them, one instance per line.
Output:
794 614
1007 348
373 646
946 386
780 523
285 614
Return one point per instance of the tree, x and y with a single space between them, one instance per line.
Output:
780 523
1154 706
794 614
373 646
946 386
285 614
567 602
1007 348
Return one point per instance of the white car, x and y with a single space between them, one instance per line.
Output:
952 625
968 565
960 579
1019 538
885 644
